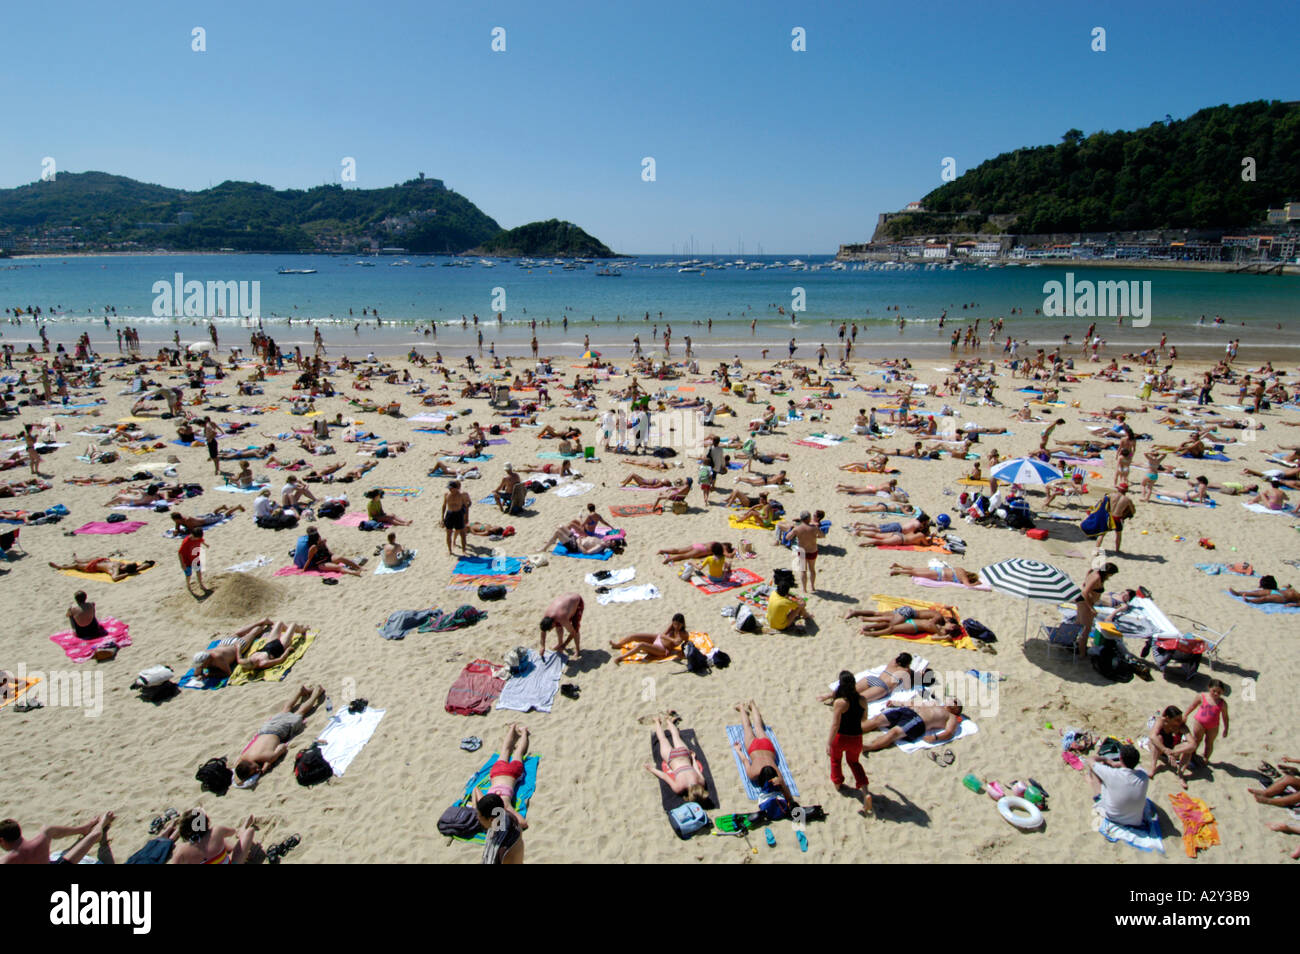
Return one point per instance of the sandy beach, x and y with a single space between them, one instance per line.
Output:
594 800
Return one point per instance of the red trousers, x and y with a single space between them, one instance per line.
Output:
848 747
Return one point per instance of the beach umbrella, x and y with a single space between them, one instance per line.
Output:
1030 580
591 354
1025 470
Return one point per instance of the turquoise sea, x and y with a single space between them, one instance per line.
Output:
73 292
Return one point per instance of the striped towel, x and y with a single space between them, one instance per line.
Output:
736 734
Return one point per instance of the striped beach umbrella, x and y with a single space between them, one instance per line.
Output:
1030 580
1025 471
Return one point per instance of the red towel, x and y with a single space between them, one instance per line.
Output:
475 690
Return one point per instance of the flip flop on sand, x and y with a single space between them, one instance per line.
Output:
944 758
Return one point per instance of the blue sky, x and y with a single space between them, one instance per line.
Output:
753 142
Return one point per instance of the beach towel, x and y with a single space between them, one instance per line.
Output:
79 650
904 697
556 455
1260 508
467 460
277 673
236 489
1145 837
20 691
1270 608
1215 456
1200 830
247 565
931 548
536 688
294 571
575 489
667 797
482 566
1165 498
401 622
629 594
736 734
734 521
475 690
922 581
523 793
560 550
632 510
354 519
98 526
613 577
1214 569
346 734
813 444
406 493
739 576
492 501
400 568
103 577
191 680
968 482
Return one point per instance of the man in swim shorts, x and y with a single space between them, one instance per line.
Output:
905 724
565 612
270 744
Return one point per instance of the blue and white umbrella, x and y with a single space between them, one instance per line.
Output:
1024 471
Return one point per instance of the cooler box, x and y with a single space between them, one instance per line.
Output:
1036 534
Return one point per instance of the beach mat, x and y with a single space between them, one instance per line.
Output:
537 687
632 510
472 581
737 734
79 650
1146 837
294 571
482 566
523 794
346 734
701 641
667 797
561 551
887 603
103 577
739 577
382 568
99 526
735 523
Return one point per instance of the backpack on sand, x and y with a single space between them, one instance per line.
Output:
310 767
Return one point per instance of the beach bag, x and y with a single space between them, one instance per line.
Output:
310 767
153 676
686 819
719 659
459 821
977 630
775 808
332 510
695 660
1109 663
492 591
746 622
1098 522
371 525
214 776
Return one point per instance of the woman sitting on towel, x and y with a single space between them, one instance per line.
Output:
909 621
660 645
897 674
679 769
81 615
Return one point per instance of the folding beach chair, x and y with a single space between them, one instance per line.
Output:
1064 636
9 544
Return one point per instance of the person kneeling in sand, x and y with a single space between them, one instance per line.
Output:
271 743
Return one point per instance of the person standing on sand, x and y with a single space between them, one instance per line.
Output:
455 515
1121 508
210 434
1094 584
564 613
190 553
805 535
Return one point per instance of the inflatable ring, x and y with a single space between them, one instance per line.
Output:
1009 806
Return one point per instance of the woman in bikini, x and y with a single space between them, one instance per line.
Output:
944 574
202 843
660 646
679 769
1210 707
636 480
116 569
695 551
899 539
507 773
909 621
897 674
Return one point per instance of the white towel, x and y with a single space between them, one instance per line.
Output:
965 728
346 734
249 565
1260 508
629 594
405 565
573 490
616 577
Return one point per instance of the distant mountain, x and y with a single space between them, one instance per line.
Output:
1184 173
549 238
98 210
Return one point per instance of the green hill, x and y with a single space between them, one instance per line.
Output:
98 209
549 238
1183 173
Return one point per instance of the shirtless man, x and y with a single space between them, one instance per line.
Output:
181 524
805 534
506 489
271 743
1094 585
564 614
36 850
763 480
911 724
220 663
455 515
1121 508
394 554
116 569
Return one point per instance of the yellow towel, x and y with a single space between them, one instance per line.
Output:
889 603
736 524
102 577
300 646
701 640
31 681
967 481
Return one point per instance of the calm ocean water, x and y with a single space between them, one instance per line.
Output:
612 310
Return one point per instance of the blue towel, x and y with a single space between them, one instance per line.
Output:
489 499
556 455
1145 837
190 681
537 687
468 460
1267 607
737 734
561 551
523 794
482 566
1222 457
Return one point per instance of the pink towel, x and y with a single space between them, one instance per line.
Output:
79 650
351 519
1072 760
124 526
294 571
922 581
